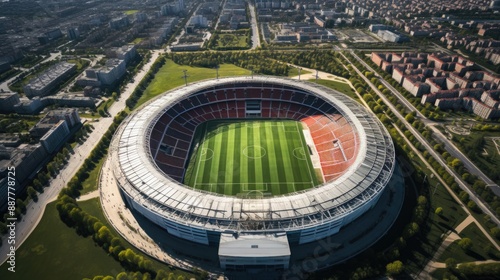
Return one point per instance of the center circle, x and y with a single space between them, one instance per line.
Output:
254 152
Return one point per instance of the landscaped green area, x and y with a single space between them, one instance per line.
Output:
55 251
231 41
483 148
171 76
94 208
14 123
90 184
252 158
481 249
422 247
295 72
340 86
137 40
130 12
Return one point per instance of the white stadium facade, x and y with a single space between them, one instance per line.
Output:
249 233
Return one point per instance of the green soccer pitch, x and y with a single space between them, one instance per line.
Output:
250 158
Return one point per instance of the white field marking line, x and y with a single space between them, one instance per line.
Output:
206 150
245 186
308 168
245 151
298 152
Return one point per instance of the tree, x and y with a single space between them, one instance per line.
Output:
409 117
32 193
465 243
464 196
162 275
495 232
51 168
456 163
3 228
394 268
472 206
20 204
451 263
122 276
438 147
65 152
422 200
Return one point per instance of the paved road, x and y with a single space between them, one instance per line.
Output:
455 152
255 27
449 146
35 210
428 147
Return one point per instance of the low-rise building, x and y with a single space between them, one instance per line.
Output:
69 115
446 81
106 75
56 135
46 82
7 101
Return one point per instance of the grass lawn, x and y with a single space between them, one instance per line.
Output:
93 207
489 161
478 252
295 72
171 76
340 86
230 40
90 184
257 158
137 40
427 241
55 251
106 104
130 12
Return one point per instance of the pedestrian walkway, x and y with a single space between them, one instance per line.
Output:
451 237
465 223
90 195
432 264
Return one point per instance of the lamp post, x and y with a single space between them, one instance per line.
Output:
185 77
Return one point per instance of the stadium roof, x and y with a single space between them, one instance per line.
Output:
142 180
254 245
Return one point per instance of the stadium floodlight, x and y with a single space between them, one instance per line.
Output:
299 72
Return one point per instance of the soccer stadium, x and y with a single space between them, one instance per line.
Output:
252 166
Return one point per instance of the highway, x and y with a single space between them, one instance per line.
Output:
428 147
